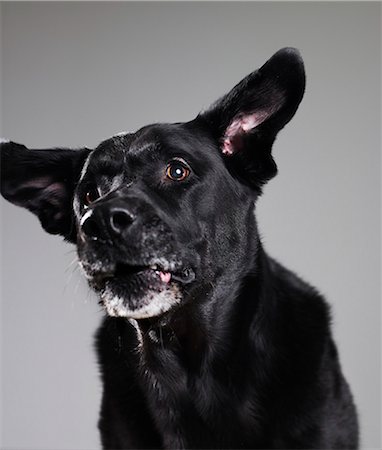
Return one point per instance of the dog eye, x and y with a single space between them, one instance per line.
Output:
177 171
91 195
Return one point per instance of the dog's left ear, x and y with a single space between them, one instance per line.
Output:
42 181
246 120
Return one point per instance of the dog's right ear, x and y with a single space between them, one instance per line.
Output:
43 181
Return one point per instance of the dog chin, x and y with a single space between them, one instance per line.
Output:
137 291
151 303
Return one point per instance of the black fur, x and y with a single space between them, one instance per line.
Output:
209 342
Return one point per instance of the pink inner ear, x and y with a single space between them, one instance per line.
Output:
37 183
54 190
240 126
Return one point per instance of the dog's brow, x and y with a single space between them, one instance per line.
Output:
105 167
85 167
147 147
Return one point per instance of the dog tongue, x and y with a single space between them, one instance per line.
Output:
165 276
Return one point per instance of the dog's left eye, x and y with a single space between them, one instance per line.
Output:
177 171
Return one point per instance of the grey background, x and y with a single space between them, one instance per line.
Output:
73 74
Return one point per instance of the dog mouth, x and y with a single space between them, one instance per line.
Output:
140 290
127 272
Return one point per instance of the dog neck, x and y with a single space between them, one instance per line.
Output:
211 326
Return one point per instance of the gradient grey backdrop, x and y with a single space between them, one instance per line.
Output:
74 74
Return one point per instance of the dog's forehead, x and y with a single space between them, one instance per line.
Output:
107 159
162 140
168 139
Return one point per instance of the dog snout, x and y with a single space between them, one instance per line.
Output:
106 222
120 219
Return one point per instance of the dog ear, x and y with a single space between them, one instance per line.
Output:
246 120
42 181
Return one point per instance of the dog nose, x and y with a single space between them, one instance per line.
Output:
120 219
90 227
102 223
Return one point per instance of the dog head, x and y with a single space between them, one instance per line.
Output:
166 212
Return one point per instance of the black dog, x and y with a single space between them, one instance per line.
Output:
208 343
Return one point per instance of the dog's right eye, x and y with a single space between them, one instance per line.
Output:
91 195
